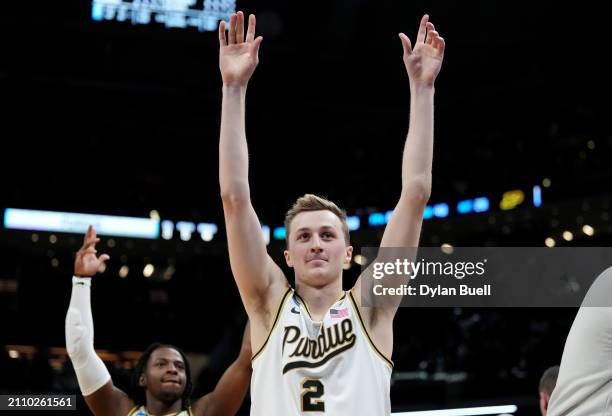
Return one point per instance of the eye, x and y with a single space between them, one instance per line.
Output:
303 236
327 234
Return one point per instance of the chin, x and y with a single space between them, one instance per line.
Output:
170 396
320 278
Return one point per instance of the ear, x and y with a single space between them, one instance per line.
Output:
142 381
288 258
348 254
543 403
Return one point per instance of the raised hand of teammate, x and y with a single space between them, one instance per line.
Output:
423 60
87 263
238 55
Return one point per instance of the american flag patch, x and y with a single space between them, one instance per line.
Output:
338 313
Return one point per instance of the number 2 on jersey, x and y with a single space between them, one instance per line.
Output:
313 391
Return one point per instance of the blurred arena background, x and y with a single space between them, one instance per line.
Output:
106 117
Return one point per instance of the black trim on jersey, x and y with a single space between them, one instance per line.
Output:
366 331
306 305
307 364
278 312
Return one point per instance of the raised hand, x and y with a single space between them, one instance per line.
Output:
86 263
238 56
424 60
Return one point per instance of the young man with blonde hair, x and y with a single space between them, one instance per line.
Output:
317 350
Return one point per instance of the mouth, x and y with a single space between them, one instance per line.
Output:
177 382
316 259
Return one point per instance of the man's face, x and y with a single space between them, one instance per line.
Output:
165 376
317 249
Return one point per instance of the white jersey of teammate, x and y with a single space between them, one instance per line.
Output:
142 411
319 368
584 385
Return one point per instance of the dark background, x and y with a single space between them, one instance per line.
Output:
110 118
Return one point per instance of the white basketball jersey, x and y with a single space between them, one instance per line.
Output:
584 385
142 411
319 368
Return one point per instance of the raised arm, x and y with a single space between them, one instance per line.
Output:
423 63
94 380
260 281
227 397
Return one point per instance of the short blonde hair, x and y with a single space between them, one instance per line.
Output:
310 202
549 380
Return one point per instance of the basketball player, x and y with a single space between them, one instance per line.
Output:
584 385
546 387
318 351
162 375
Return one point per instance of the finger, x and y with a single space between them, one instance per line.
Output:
432 37
232 30
256 44
90 239
430 28
422 29
91 242
406 44
222 39
251 29
90 250
240 28
104 258
440 45
88 233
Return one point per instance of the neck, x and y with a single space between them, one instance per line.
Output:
319 299
156 407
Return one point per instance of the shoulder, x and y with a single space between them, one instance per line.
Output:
600 292
199 406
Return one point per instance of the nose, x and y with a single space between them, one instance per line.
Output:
316 244
172 369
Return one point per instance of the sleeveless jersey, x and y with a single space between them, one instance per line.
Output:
141 411
584 385
320 368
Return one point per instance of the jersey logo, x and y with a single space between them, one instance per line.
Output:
332 342
295 310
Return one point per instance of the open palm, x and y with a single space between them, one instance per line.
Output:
238 56
423 62
87 263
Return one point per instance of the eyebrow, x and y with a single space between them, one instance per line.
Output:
166 359
325 227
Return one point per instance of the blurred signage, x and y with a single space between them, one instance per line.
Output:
72 222
201 14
